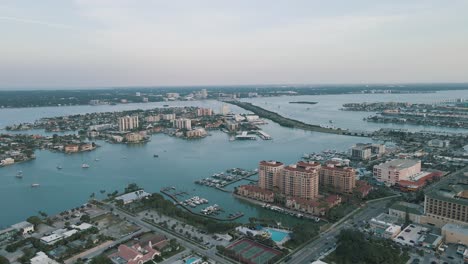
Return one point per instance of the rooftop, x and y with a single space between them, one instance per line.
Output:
452 188
399 163
271 163
456 229
412 208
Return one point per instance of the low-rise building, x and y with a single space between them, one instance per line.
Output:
257 193
42 258
7 161
134 254
196 133
72 148
455 234
438 143
385 226
24 227
404 209
132 196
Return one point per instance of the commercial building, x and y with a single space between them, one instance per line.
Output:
340 178
365 151
300 180
172 96
385 226
456 234
133 196
269 173
127 123
183 123
393 171
447 201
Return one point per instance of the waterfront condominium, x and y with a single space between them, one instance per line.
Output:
269 173
300 180
183 123
341 178
127 123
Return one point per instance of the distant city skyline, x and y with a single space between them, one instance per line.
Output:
54 44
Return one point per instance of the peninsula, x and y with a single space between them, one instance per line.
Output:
283 121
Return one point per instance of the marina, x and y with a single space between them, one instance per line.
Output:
210 211
223 179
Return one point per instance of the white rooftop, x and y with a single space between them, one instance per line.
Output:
42 258
22 225
129 197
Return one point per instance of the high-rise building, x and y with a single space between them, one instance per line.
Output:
393 171
168 116
183 123
269 173
300 180
224 109
340 178
127 123
204 112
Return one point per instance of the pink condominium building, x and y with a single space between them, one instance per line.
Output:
269 173
300 180
393 171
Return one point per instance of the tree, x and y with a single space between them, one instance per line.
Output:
35 220
101 259
4 260
85 218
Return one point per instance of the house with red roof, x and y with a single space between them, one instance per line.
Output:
134 254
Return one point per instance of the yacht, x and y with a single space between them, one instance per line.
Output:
59 167
34 185
156 156
96 159
84 166
19 174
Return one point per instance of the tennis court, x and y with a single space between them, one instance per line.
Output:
251 252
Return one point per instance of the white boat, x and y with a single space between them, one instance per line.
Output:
96 159
19 174
34 185
84 166
59 167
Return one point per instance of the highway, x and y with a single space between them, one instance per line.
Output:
320 246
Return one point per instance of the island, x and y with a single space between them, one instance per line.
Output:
303 102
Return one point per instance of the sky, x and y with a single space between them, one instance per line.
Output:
111 43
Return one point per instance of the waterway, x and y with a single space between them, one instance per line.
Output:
328 108
180 161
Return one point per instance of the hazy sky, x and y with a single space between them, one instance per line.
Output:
83 43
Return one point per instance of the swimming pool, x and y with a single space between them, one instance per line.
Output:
191 260
276 235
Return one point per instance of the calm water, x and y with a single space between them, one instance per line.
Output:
180 162
328 108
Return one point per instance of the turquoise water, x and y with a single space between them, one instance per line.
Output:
180 161
191 260
276 235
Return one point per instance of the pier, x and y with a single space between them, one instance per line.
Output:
221 180
264 135
180 203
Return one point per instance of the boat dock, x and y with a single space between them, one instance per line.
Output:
221 180
245 136
231 216
264 135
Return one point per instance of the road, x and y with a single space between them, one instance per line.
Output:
320 246
210 253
